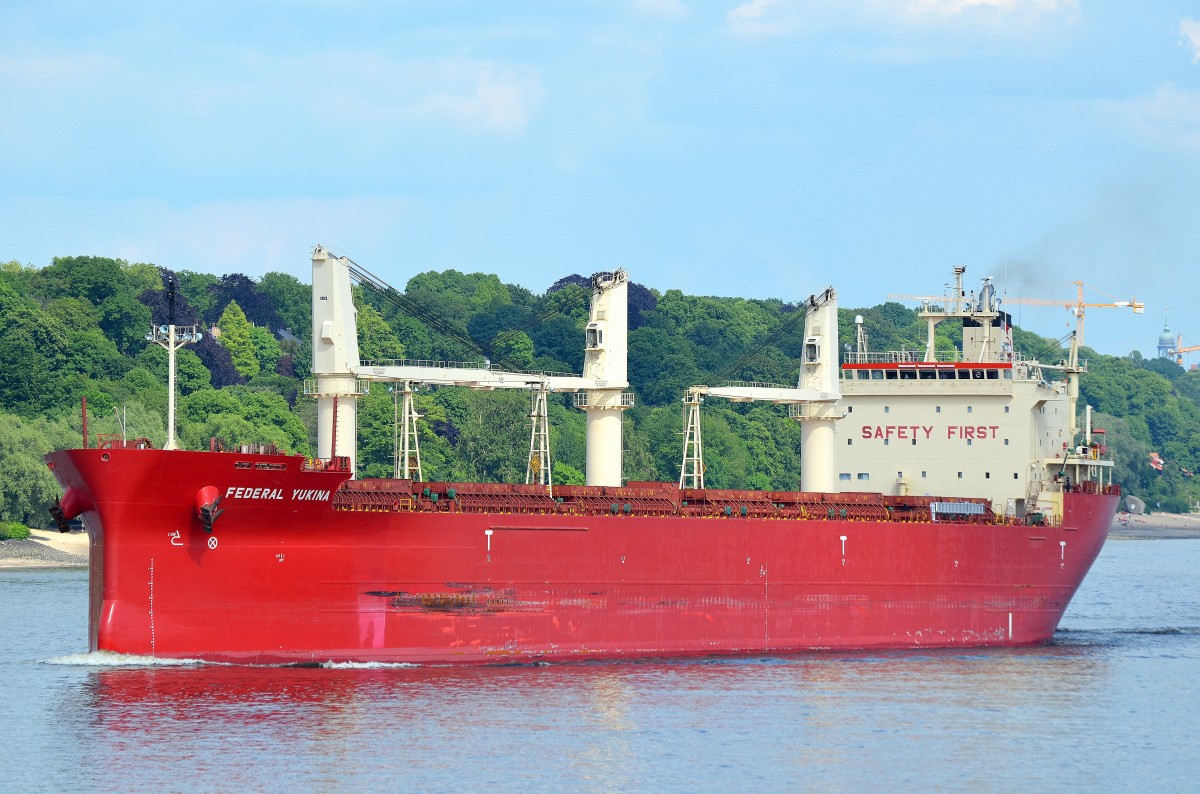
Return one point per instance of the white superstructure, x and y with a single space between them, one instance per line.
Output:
982 421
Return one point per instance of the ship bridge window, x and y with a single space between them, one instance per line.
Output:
964 374
945 374
928 374
877 374
891 374
977 374
993 374
864 374
1007 374
907 374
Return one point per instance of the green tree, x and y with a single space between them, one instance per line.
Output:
475 292
94 278
34 348
267 416
199 290
190 373
566 474
125 321
237 337
514 349
266 348
292 301
376 340
27 488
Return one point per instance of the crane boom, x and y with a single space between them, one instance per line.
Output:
1180 348
1079 306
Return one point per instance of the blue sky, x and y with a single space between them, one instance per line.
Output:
766 148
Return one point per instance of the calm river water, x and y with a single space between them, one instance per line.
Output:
1112 705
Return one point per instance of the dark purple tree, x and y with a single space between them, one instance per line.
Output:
216 357
259 307
286 366
640 300
159 304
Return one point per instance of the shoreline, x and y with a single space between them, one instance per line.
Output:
46 548
52 549
1156 526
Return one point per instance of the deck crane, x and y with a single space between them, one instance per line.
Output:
340 375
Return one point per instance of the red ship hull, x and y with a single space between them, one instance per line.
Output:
286 577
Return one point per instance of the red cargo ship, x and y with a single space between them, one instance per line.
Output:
251 557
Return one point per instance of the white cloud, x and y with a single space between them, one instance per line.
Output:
759 18
918 8
665 9
765 18
1189 29
1170 116
484 96
495 98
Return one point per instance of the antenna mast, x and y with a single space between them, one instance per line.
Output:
172 338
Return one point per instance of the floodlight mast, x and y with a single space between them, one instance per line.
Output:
171 337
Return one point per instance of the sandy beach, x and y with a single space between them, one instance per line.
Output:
46 549
1155 526
52 549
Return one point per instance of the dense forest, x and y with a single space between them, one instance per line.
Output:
78 327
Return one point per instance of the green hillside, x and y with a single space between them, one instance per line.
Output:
77 328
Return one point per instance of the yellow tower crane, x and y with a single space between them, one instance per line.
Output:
1179 349
1078 307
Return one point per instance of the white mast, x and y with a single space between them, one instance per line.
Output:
171 337
692 473
407 447
539 468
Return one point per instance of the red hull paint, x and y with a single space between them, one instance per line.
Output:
285 578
